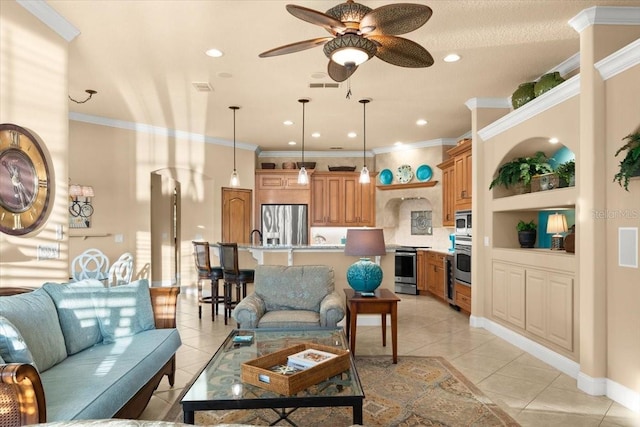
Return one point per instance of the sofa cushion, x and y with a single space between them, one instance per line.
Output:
124 310
35 316
103 378
290 319
76 312
13 349
293 287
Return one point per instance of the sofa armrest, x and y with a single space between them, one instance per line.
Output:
249 311
163 302
331 310
21 395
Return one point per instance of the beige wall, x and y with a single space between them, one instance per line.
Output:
33 84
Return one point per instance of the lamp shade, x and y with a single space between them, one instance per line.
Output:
557 223
364 275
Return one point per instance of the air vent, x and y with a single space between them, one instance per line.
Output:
202 86
335 148
324 85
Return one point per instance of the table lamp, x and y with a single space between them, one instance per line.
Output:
364 275
557 223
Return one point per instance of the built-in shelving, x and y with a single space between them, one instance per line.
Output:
407 185
557 198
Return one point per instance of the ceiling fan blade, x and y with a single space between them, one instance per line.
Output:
333 25
340 73
402 52
295 47
395 19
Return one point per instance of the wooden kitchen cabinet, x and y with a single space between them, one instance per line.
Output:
422 266
278 180
463 175
436 274
462 297
339 200
448 192
279 186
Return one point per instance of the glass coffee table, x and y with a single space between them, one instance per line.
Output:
219 386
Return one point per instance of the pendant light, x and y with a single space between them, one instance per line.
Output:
235 179
364 173
303 178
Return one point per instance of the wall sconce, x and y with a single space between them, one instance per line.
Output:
77 208
557 223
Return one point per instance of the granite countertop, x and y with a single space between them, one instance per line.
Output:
324 246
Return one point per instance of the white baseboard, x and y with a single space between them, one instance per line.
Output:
593 386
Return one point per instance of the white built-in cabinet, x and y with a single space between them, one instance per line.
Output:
509 293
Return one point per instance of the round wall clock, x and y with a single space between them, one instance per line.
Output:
24 181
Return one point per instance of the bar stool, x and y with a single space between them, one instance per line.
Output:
233 276
207 272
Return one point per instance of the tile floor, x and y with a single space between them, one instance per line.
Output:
532 392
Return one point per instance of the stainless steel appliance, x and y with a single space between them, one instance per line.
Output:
463 260
463 223
285 225
406 271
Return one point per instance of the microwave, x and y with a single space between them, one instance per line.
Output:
463 223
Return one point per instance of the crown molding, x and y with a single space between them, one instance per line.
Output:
475 103
555 96
424 144
50 17
314 154
622 60
605 15
156 130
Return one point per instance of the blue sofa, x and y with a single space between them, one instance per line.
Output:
83 351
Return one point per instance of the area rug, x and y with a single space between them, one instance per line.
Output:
417 391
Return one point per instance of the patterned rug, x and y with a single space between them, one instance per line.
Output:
418 391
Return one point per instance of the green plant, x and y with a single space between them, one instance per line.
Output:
567 170
526 226
630 165
521 169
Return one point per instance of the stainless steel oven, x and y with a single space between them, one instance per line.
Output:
462 261
406 271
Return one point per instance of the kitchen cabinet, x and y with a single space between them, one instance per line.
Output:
436 274
279 186
463 174
448 192
422 267
508 293
339 200
462 297
278 180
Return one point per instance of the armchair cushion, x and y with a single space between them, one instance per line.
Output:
13 349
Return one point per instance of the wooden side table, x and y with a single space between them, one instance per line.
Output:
384 302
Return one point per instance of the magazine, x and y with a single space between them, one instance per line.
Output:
309 358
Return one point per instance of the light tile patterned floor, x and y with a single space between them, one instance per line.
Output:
532 392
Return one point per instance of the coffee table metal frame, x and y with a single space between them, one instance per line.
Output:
213 388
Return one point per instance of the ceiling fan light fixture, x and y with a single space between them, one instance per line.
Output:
350 49
349 12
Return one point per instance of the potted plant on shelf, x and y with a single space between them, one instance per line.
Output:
520 170
567 173
630 165
527 233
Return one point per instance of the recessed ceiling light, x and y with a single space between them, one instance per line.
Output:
316 134
553 140
421 122
214 53
292 143
452 57
352 134
287 123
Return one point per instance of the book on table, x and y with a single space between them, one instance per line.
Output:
309 358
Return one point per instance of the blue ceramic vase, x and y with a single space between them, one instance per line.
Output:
364 275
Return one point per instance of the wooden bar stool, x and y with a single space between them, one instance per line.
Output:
233 276
207 272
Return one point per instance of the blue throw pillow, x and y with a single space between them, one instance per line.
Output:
13 349
124 310
35 316
76 312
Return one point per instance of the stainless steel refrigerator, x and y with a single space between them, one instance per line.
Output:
284 225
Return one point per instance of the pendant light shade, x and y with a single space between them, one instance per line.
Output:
364 173
234 181
303 178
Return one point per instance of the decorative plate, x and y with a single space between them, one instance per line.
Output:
385 177
424 173
405 174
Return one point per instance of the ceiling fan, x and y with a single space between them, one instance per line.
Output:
358 33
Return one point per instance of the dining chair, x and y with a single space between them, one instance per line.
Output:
121 271
91 264
233 276
207 272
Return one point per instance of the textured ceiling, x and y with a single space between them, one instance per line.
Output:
142 57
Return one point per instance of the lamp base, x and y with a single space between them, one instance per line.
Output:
364 275
557 242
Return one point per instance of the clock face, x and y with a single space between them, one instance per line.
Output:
24 181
